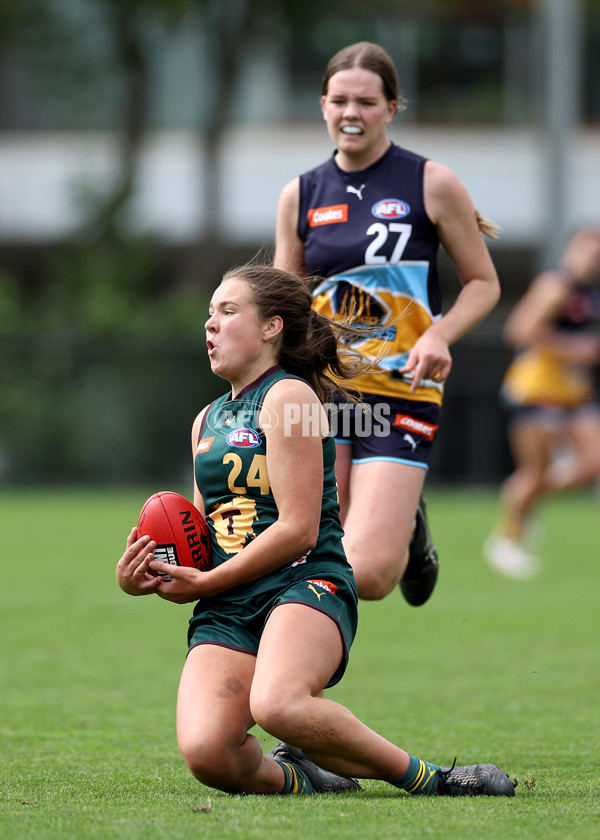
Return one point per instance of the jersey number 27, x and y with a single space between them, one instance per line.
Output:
381 233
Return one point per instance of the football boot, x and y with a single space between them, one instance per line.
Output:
323 781
473 780
421 572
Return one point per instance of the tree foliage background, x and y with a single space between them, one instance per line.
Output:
109 328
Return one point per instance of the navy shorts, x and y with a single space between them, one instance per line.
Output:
551 417
386 429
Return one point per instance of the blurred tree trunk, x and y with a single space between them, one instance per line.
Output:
230 28
133 63
127 22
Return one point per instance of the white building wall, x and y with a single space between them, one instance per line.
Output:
504 170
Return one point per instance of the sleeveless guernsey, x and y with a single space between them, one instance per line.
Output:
231 473
368 234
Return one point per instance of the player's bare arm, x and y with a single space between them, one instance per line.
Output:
289 250
196 426
533 320
536 312
450 207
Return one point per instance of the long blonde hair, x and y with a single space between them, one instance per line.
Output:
487 226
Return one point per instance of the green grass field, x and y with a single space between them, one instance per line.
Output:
489 670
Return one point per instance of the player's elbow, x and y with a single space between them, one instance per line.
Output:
300 527
312 540
496 291
493 290
308 539
303 537
517 335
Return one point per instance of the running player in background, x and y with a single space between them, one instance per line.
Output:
370 220
549 390
277 613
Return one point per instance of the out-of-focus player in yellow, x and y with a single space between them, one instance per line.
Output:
549 391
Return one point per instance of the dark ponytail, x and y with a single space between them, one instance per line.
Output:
311 345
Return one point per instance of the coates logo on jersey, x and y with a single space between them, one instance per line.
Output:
204 444
244 438
390 209
332 215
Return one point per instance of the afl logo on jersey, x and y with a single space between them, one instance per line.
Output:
390 208
245 438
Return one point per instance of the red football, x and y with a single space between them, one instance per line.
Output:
179 530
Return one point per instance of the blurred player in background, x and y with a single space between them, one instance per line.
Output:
549 390
370 220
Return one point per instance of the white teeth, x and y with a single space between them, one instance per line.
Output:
351 129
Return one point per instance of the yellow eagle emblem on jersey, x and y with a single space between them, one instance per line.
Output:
233 521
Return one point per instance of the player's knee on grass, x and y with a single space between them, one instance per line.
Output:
211 760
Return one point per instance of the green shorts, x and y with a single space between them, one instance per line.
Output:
237 623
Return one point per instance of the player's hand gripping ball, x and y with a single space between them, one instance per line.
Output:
179 530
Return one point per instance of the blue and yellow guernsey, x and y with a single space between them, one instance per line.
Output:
539 376
231 473
367 233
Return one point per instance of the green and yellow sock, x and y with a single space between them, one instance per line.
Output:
296 780
419 778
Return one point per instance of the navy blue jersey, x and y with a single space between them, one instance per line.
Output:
582 310
367 232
